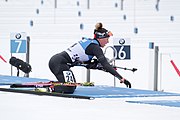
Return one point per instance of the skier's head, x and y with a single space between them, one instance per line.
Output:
102 34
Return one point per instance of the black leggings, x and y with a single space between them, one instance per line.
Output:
58 64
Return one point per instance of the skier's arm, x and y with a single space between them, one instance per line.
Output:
95 50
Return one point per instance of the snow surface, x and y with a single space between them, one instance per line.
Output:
18 106
117 103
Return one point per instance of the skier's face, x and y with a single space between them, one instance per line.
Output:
103 41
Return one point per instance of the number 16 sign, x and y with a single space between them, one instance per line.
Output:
18 42
123 48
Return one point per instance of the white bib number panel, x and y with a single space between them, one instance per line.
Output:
68 76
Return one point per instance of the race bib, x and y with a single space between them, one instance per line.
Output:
68 76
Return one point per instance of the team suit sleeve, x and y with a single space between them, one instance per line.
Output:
95 50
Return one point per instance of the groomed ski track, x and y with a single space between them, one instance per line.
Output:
109 103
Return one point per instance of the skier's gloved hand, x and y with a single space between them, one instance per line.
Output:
76 63
126 82
92 64
100 67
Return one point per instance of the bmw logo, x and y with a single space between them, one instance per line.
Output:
122 41
18 36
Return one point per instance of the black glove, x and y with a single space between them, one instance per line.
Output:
100 67
126 82
76 63
92 64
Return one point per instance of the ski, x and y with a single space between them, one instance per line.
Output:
55 94
48 84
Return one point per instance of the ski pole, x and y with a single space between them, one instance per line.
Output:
124 68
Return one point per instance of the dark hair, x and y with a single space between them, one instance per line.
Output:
100 32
